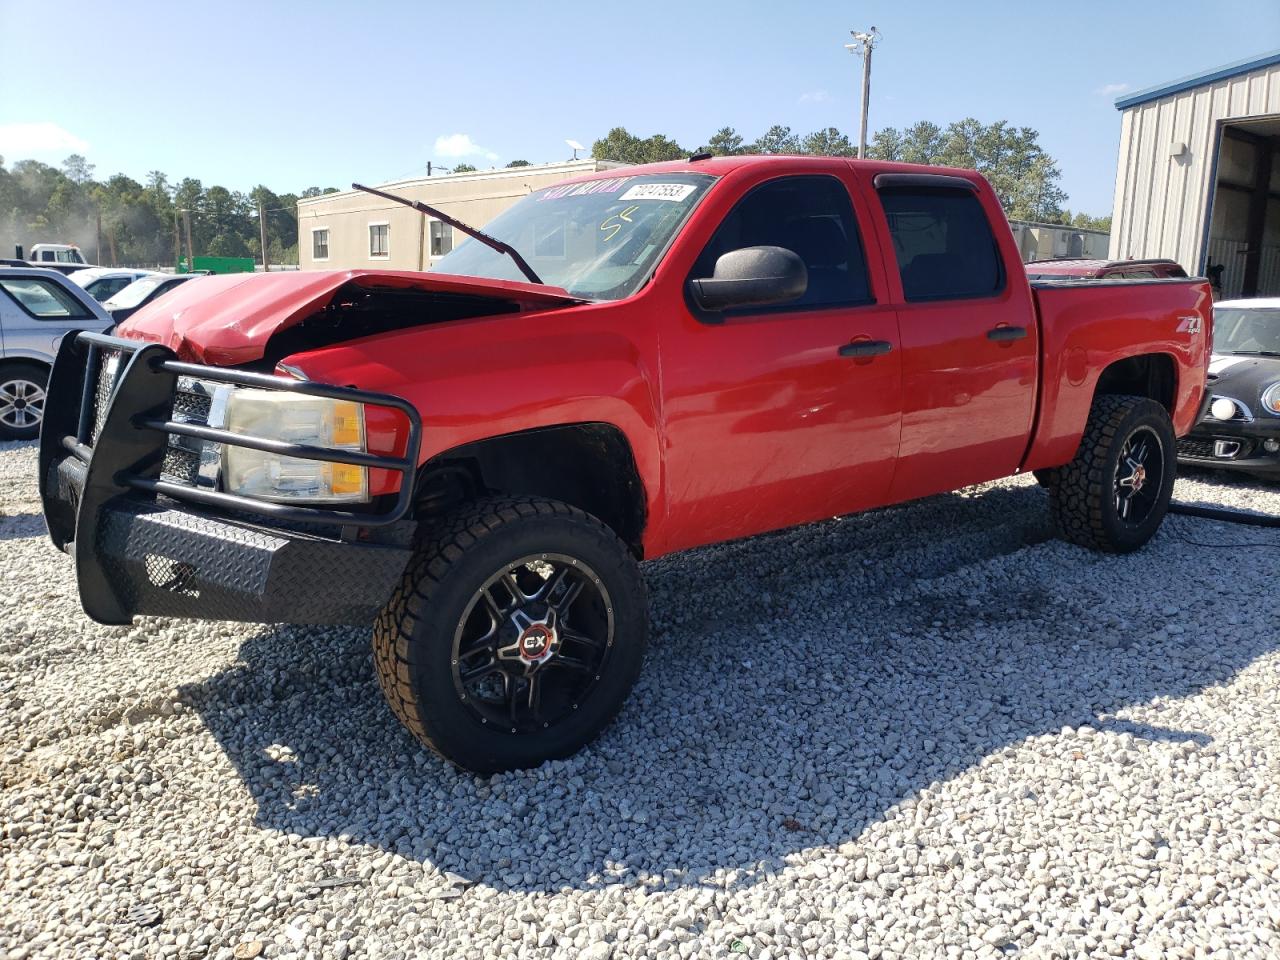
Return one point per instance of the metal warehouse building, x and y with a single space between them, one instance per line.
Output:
354 229
1198 178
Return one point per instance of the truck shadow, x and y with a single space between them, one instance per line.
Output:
900 648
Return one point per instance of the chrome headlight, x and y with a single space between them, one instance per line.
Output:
292 418
1271 398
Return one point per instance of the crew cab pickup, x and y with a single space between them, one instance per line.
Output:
475 458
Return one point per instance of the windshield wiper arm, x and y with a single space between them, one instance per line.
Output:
491 242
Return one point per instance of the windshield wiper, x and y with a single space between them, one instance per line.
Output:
1251 353
491 242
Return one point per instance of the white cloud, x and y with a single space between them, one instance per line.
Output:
459 145
815 96
19 141
1112 89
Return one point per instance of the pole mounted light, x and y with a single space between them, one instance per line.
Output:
863 43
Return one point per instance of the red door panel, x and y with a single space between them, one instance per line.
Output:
968 401
784 430
970 341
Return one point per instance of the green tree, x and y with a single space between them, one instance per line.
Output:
777 139
828 143
517 163
622 146
226 223
78 170
463 168
887 144
725 142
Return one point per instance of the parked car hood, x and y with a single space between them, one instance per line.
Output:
227 320
1242 377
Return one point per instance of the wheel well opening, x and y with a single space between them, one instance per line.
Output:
7 362
588 465
1151 375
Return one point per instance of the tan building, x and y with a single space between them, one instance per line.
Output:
1199 176
354 229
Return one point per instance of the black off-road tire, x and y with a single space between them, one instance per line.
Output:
413 636
1082 498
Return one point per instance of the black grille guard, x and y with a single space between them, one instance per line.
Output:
83 471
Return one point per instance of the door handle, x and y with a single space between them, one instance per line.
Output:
865 348
1005 334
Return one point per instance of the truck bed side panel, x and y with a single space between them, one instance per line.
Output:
1086 326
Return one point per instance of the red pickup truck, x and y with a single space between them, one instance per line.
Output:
476 458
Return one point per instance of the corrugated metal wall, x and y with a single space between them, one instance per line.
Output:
1160 199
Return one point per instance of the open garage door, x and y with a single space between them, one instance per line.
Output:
1244 231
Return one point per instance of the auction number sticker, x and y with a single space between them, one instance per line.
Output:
658 191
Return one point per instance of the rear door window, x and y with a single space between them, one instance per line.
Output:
943 243
44 300
812 217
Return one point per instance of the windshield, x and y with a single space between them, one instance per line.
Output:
135 293
1237 330
598 239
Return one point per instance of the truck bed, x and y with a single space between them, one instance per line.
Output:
1087 325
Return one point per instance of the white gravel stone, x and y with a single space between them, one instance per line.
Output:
928 731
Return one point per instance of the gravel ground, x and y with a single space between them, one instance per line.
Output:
949 736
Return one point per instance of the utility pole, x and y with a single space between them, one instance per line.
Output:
191 251
177 239
862 46
262 227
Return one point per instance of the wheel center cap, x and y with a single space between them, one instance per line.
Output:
19 404
1139 477
536 642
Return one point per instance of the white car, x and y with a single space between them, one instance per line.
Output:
102 283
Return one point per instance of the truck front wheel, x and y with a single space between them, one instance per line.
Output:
515 635
1113 496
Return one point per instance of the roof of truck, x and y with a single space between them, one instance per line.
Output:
719 166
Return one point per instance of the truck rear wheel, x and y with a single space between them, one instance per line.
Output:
1113 496
515 635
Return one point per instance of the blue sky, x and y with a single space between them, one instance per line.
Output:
293 94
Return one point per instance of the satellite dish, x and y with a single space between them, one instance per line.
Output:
575 146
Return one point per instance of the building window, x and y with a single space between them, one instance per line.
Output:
320 244
379 241
441 238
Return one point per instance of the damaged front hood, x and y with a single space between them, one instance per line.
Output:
226 320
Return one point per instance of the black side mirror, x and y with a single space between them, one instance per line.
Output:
752 277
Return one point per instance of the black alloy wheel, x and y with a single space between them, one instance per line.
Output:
1139 476
533 643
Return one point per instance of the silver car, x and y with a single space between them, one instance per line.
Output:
37 308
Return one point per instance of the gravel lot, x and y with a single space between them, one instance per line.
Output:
930 731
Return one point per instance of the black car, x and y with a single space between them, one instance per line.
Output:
142 291
1241 426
